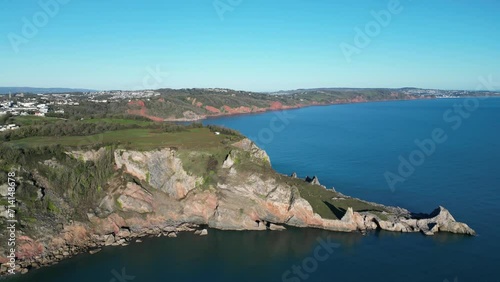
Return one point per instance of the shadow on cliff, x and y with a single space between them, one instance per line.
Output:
339 213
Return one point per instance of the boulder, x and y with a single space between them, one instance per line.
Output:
109 239
275 227
313 180
229 162
4 189
94 251
256 152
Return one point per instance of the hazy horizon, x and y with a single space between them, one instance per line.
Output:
245 90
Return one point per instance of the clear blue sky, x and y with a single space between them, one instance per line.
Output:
258 45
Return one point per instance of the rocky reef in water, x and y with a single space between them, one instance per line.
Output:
159 193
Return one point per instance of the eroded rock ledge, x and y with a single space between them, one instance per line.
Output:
155 193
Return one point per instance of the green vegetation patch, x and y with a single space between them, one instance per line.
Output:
33 120
330 204
119 121
204 162
138 139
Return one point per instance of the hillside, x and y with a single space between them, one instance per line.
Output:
196 104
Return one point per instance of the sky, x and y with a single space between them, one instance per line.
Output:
256 45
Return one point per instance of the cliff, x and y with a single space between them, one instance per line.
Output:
197 104
164 191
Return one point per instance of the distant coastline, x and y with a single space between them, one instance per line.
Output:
271 109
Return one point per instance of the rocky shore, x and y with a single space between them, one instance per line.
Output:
153 194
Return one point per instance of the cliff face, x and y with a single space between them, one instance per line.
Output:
193 109
243 201
162 170
156 193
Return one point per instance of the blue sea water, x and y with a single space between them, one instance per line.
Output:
352 148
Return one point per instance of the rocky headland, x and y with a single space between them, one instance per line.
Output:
164 191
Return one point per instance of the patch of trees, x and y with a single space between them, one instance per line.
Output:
175 127
63 128
26 156
5 119
224 130
77 181
88 109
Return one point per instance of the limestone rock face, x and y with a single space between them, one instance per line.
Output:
161 169
167 200
4 189
439 220
136 199
314 180
88 155
229 162
256 152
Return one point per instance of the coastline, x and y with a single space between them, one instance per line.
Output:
130 211
271 109
223 115
126 236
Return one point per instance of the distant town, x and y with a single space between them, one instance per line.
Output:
54 104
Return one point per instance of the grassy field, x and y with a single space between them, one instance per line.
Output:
33 120
119 121
330 204
140 139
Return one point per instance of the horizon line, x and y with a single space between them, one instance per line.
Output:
251 91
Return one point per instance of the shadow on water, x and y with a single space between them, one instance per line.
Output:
231 249
229 252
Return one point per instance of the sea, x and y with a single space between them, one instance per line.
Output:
414 154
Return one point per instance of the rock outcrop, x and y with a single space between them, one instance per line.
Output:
313 180
257 153
164 198
161 169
